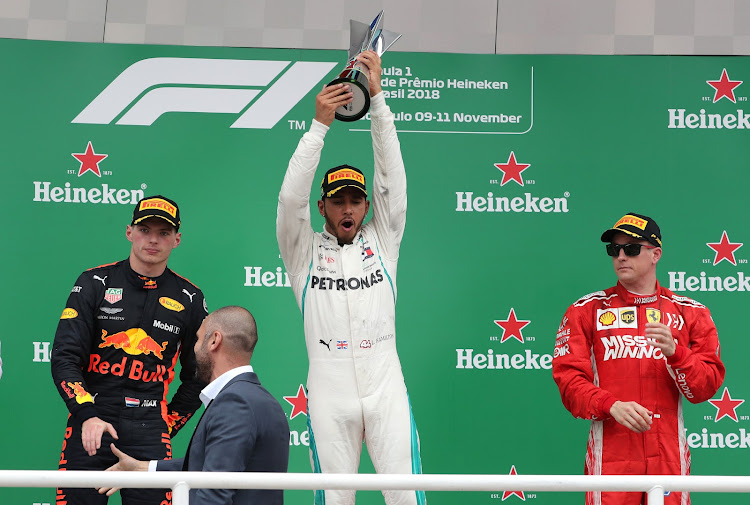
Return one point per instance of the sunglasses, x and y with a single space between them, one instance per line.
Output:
630 249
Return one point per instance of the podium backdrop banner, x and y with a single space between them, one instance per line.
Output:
515 166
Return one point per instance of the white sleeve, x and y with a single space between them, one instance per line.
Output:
389 185
293 229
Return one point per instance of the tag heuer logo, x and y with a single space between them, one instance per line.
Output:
113 295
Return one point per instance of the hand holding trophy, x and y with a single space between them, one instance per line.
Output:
368 43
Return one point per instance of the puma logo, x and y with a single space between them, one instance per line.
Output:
96 277
190 295
328 344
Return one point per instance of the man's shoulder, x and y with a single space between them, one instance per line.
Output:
246 388
683 301
106 267
595 297
101 275
184 281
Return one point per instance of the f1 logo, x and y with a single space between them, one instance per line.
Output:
177 85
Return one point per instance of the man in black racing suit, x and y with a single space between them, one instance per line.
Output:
117 343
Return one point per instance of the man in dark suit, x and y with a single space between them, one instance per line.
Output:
243 428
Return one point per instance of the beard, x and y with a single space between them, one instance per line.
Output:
204 365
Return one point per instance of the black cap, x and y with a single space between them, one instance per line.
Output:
157 206
342 176
635 225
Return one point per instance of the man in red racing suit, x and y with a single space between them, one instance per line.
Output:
117 343
625 357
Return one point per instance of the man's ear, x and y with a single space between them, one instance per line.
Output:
215 340
322 208
657 255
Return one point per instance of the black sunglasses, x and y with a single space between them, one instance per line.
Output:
630 249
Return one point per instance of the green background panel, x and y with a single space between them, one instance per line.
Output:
599 139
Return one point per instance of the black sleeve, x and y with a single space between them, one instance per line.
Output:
71 349
186 399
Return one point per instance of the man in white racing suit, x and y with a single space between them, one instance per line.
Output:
344 279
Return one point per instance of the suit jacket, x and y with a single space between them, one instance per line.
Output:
244 429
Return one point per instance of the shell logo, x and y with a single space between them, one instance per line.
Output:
607 318
171 304
69 313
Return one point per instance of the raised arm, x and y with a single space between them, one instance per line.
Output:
389 182
293 228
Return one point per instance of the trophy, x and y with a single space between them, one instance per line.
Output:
363 37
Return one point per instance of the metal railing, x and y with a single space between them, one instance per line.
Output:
182 482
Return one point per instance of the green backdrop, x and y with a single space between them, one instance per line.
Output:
601 136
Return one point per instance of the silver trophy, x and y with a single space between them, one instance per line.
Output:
363 37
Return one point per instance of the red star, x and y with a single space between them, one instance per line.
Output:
512 170
724 87
299 402
512 327
508 494
726 406
89 160
725 249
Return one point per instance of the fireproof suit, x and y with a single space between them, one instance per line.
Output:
347 295
601 356
115 350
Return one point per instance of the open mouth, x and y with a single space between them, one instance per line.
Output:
347 224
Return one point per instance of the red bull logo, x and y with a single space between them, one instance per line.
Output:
82 396
133 341
148 346
133 369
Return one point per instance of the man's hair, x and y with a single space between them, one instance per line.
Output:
237 326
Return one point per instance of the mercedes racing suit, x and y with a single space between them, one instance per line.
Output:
115 350
601 356
347 295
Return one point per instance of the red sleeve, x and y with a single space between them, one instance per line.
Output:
573 371
696 365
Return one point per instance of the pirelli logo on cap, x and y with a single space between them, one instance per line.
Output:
158 203
632 221
346 173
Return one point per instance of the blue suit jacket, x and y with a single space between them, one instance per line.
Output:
244 429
